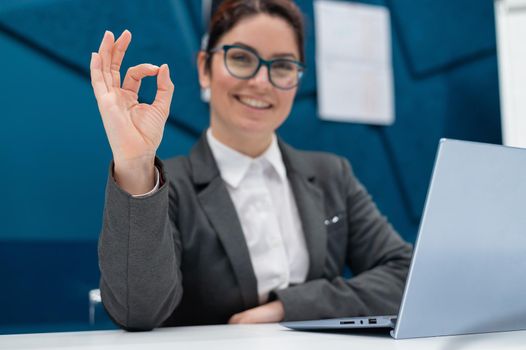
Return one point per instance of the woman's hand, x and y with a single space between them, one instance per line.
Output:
134 129
267 313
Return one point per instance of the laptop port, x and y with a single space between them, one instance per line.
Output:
346 322
372 321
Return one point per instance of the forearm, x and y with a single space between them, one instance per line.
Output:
374 292
140 276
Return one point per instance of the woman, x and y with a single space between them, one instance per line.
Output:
246 229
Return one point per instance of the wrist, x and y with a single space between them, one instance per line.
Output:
135 177
134 163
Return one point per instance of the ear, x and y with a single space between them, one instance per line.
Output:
204 74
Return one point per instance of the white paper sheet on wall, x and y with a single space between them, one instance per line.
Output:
353 62
510 16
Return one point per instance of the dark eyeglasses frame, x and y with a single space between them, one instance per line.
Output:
261 62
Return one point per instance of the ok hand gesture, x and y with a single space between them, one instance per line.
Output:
134 129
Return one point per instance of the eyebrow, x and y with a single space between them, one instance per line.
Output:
276 55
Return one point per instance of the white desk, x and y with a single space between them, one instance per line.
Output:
252 337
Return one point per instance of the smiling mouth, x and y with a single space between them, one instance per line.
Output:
253 103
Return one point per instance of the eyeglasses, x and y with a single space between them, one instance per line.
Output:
243 63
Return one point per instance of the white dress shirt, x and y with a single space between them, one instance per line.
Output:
266 207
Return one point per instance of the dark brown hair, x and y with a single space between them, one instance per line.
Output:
230 12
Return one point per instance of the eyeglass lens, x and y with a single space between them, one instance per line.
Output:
243 64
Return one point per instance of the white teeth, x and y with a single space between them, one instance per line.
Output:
254 103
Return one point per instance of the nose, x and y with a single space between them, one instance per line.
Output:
261 77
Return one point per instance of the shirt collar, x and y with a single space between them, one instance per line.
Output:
234 165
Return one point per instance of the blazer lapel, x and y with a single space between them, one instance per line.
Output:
310 202
218 206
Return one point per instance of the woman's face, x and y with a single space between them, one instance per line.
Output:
250 108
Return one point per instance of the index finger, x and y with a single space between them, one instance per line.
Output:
165 89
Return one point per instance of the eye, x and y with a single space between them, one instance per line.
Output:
241 57
284 66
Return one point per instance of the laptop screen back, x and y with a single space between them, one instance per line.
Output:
469 265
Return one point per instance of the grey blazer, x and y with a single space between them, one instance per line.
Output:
179 257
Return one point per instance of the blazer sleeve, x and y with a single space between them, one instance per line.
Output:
139 256
378 257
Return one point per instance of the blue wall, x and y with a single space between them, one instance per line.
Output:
55 155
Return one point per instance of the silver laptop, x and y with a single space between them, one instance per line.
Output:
468 273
